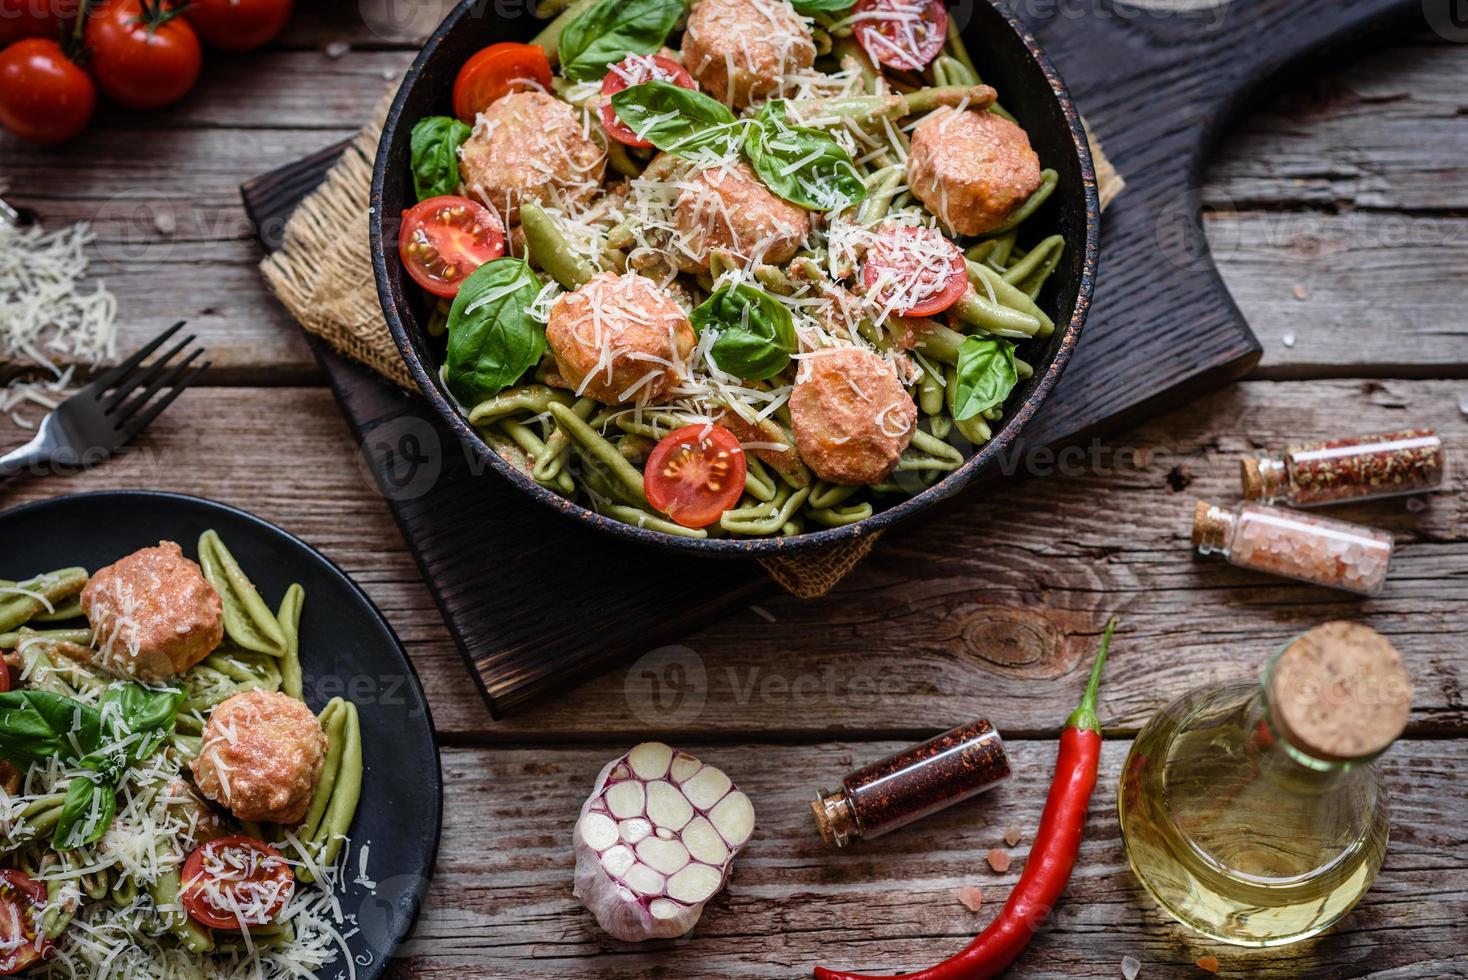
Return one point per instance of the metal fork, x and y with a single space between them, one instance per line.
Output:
104 416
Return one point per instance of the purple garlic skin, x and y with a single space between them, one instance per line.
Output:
656 840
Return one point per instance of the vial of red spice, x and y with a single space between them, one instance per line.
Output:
911 784
1382 465
1335 554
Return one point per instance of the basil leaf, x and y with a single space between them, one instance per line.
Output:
802 165
610 30
132 709
986 375
493 340
86 813
698 125
37 725
809 7
435 149
756 333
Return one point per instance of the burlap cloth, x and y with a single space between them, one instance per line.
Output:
322 273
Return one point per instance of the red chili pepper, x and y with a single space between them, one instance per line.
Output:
1057 843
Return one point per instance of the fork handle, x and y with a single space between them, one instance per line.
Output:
20 459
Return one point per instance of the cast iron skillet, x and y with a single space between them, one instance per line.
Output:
347 650
1007 58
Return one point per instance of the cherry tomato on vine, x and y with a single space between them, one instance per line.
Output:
235 873
20 19
22 903
634 71
238 25
443 239
44 96
918 267
497 71
144 54
695 474
903 34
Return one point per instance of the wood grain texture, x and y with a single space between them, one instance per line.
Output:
989 609
501 903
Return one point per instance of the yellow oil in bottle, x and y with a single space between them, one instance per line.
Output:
1239 828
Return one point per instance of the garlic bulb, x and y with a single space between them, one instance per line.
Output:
656 840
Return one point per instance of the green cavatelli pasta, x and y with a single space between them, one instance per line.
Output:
638 517
247 620
345 795
289 618
527 399
986 279
547 247
165 892
333 720
66 611
599 448
991 317
23 601
839 516
77 637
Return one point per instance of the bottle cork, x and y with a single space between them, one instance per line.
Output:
1340 692
1211 524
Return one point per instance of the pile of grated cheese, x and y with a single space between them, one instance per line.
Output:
48 321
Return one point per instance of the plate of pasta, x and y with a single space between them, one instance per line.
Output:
215 758
737 276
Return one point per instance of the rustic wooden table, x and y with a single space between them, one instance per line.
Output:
1340 220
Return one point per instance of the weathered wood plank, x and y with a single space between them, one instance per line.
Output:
501 901
1032 568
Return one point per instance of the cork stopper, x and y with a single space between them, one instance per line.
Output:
834 818
1211 525
1263 478
1340 692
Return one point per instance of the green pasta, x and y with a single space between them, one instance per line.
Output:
21 602
289 618
247 620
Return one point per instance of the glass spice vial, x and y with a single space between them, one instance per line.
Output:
1319 550
1385 465
912 784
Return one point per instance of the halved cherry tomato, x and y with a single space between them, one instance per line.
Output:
695 474
905 34
22 902
497 71
922 269
238 25
252 874
144 54
634 71
44 96
445 238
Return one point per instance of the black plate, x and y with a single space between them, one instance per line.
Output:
347 650
1008 58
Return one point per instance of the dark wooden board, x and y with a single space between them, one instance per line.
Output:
536 602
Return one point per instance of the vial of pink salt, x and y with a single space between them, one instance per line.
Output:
1332 553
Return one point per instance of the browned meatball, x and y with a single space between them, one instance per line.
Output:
530 145
620 339
262 756
971 169
852 417
761 39
729 208
154 614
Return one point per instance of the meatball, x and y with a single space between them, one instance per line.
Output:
620 339
757 40
154 614
852 417
972 169
261 757
530 145
730 208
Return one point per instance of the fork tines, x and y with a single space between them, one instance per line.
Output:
124 392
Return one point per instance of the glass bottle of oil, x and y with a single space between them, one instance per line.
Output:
1253 813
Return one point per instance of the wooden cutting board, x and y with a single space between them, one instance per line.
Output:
537 602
